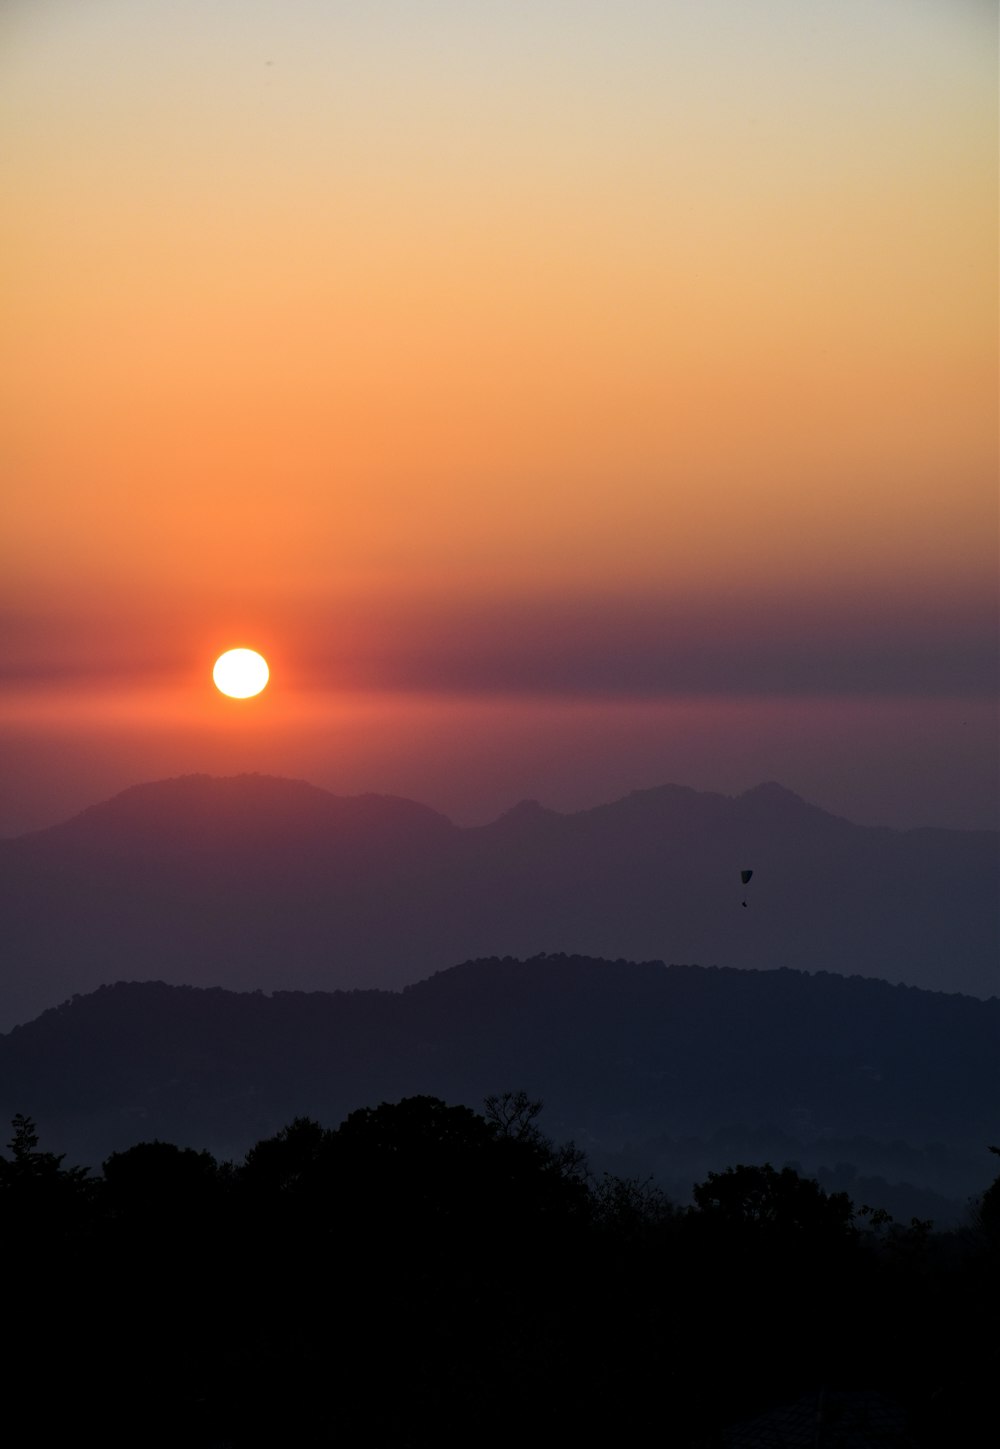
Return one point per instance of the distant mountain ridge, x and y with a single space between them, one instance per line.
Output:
254 882
677 1070
192 810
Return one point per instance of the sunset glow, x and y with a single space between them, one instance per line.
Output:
622 362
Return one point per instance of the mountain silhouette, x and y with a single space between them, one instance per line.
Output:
252 882
672 1070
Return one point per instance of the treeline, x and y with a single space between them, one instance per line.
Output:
428 1275
670 1071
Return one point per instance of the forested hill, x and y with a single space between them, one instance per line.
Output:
670 1069
254 882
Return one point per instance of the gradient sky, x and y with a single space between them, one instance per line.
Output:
565 396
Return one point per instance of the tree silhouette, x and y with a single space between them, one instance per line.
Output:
513 1114
28 1162
986 1211
38 1194
428 1274
781 1201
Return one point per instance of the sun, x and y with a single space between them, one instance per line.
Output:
240 673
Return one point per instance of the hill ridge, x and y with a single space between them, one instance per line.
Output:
645 1064
254 881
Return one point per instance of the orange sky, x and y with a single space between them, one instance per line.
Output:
599 354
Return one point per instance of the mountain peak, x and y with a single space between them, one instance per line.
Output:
259 881
195 808
771 790
770 805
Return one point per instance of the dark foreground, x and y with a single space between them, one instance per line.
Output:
424 1275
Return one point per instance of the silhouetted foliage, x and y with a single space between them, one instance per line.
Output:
512 1114
424 1274
631 1206
778 1202
669 1071
986 1211
38 1196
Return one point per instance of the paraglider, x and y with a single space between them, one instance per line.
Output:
744 877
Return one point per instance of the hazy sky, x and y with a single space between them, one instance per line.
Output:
566 396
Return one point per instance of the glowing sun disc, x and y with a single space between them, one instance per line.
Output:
240 673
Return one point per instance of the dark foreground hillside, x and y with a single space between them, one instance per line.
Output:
428 1276
886 1091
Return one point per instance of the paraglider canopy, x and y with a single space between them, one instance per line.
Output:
745 875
